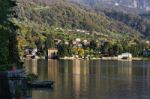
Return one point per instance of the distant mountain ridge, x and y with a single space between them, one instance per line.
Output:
143 5
133 4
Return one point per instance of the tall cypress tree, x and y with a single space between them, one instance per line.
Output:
8 42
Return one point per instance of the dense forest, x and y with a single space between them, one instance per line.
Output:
137 22
145 15
69 16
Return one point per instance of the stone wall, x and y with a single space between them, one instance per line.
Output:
12 84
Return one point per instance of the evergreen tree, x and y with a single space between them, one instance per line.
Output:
50 41
8 42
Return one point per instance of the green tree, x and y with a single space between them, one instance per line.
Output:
50 41
106 47
8 42
81 52
117 49
93 45
65 50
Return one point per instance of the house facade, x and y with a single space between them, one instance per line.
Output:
52 53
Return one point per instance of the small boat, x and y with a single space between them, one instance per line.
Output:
41 84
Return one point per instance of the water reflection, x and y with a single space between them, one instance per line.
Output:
82 79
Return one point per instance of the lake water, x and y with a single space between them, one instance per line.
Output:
82 79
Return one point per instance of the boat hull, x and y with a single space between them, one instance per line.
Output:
41 84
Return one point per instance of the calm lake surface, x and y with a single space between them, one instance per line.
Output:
82 79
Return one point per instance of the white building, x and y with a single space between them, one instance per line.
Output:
78 40
125 56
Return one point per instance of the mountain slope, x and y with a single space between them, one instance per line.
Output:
137 22
145 15
69 16
141 5
36 20
126 12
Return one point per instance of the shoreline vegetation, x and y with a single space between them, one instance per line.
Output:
95 58
105 58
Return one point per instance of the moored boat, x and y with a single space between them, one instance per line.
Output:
41 84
